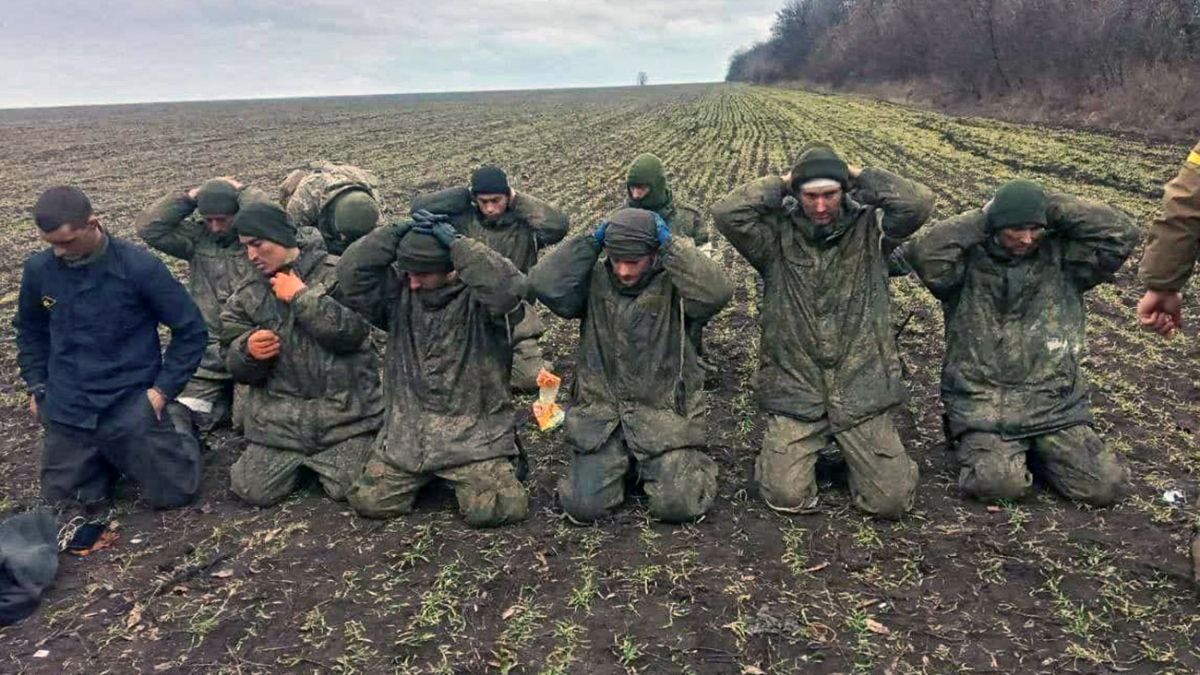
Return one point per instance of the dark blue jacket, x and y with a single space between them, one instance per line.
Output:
89 334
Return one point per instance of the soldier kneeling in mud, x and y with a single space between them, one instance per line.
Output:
638 402
518 226
449 304
313 398
820 236
1011 278
340 200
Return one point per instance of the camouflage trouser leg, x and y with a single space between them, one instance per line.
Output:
264 476
527 363
488 492
594 485
882 477
991 467
680 484
338 467
1078 465
210 400
238 407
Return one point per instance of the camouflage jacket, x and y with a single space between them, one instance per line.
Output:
217 264
634 367
528 226
828 348
307 192
449 354
1173 241
324 387
1015 326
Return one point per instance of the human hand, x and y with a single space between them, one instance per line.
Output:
33 408
599 232
286 285
442 230
1161 311
157 401
263 345
661 230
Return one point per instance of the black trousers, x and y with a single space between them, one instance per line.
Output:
161 455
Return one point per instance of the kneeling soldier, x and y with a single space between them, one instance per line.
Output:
449 304
1011 278
313 398
639 401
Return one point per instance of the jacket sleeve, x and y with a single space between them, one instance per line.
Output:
451 201
32 323
1173 241
906 204
303 205
741 217
938 256
365 279
236 327
1098 238
701 281
563 279
164 226
176 310
334 326
549 224
493 280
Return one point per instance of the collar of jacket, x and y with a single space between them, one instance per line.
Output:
823 236
436 300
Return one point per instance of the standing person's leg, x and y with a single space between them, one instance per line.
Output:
883 478
1078 464
785 467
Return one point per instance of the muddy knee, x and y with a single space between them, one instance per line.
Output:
994 480
680 484
783 485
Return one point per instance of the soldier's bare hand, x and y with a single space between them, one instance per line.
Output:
33 408
286 285
1161 312
855 171
232 181
263 345
157 401
193 193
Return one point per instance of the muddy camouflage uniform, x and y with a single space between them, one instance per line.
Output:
450 413
828 365
217 264
1173 241
528 226
1011 383
638 399
319 404
308 192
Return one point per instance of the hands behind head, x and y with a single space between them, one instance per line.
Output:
661 230
599 232
437 225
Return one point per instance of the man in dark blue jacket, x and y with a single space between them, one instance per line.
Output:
87 336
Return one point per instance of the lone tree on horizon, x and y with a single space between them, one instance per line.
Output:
642 78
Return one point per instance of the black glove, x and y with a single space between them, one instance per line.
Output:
442 230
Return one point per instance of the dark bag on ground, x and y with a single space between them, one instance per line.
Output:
28 562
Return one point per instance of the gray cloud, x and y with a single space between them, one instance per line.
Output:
139 50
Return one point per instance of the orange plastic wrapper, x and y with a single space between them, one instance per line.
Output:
546 410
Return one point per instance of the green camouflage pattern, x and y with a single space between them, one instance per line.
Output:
216 264
324 386
828 348
307 192
635 367
1015 327
488 492
449 352
265 475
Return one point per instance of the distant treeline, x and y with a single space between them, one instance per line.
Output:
987 49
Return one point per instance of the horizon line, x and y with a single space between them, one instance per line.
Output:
297 97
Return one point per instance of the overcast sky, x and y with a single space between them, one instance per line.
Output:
62 52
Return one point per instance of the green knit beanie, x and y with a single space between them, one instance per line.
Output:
648 170
355 214
265 220
217 197
819 160
421 252
1018 203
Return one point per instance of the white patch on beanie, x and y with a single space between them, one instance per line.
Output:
820 184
